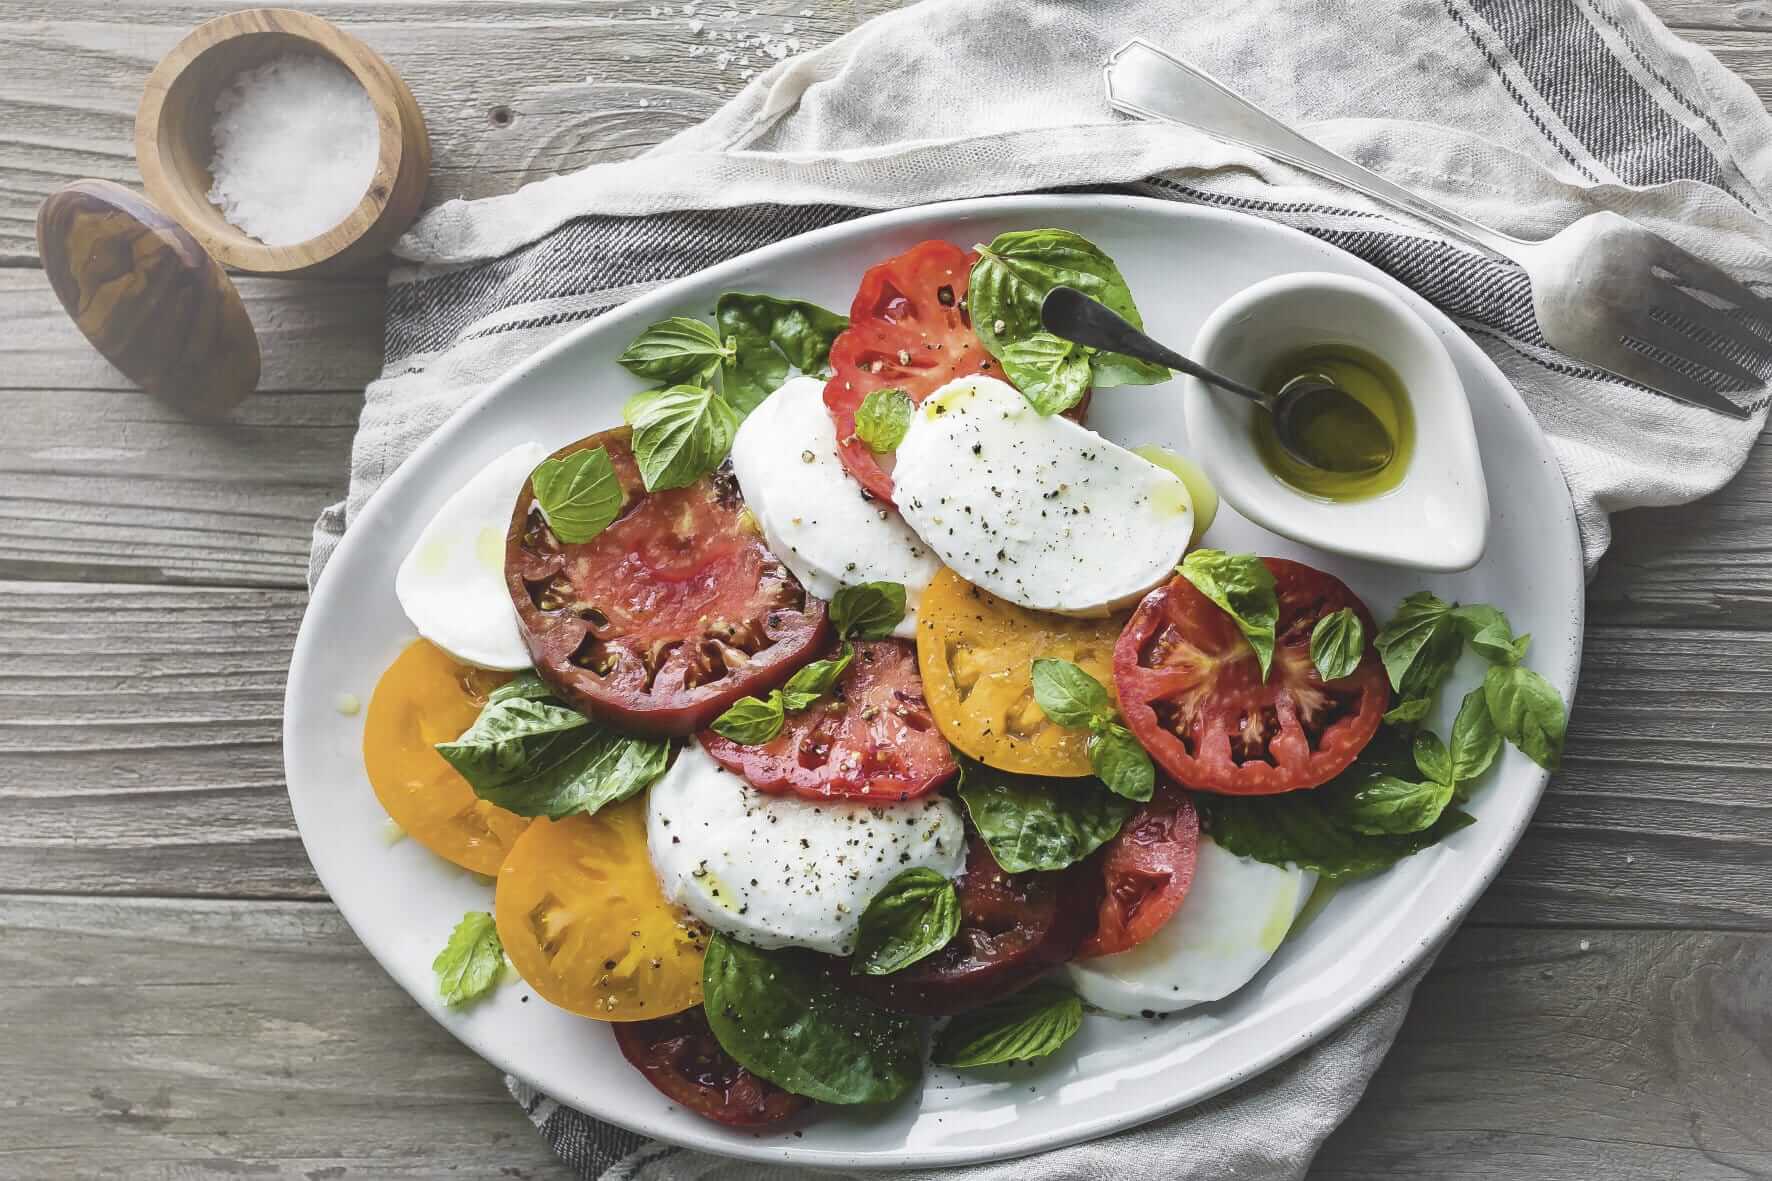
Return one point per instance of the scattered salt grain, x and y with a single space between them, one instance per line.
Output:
348 704
296 142
1586 944
695 28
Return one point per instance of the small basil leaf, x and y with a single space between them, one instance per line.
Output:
770 336
632 408
579 495
674 351
883 418
1013 275
526 684
1527 711
535 757
752 721
1337 644
1243 588
1035 823
1489 633
1420 645
778 1014
1051 372
816 679
1388 805
1475 741
1024 1025
1431 758
869 611
1408 713
1067 695
680 435
469 965
1121 763
915 916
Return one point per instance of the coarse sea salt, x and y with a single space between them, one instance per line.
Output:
296 142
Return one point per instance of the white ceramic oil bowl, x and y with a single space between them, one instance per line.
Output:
1437 517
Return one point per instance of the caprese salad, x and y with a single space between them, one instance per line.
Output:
854 681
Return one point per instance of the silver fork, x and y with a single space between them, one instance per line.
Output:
1605 290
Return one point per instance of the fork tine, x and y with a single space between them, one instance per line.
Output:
1696 273
1628 363
1661 335
1676 301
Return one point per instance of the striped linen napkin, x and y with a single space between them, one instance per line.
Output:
1524 114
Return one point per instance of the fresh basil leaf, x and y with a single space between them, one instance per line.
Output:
1314 829
1408 713
1121 763
676 351
1052 373
526 684
869 611
770 336
1420 645
1475 741
471 962
1388 805
914 916
1024 1025
815 680
632 408
535 757
1337 644
1032 822
752 721
1527 711
1432 759
778 1014
1068 696
579 495
680 435
883 419
1489 633
1243 587
1014 273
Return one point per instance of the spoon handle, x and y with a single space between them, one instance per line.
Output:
1068 313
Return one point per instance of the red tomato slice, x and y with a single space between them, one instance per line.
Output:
1013 929
1146 871
669 615
679 1056
908 328
872 738
1190 689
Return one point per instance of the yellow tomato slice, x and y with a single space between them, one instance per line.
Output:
424 698
581 915
976 653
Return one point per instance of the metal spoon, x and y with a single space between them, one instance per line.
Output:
1302 410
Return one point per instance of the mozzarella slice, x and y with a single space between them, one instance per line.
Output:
1235 914
1037 509
813 514
780 871
452 583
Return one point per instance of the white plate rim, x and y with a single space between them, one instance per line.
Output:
329 594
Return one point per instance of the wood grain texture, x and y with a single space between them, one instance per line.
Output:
154 766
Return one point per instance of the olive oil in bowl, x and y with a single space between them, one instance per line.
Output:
1369 381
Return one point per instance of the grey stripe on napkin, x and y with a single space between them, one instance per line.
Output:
1524 114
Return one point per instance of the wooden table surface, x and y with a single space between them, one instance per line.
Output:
179 999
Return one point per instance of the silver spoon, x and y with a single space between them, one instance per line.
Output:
1316 422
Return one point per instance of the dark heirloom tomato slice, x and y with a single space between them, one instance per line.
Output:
1190 688
1145 870
679 1056
872 738
908 328
1013 928
666 617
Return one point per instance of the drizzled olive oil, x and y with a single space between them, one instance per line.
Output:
1200 493
1369 381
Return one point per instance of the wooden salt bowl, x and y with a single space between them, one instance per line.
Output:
173 145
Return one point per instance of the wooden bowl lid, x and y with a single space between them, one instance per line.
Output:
148 297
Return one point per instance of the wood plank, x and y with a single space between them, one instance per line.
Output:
169 1040
225 1036
139 754
1635 1056
512 90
